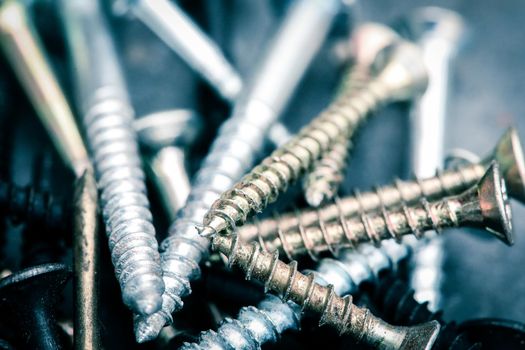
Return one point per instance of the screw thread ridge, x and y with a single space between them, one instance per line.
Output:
285 165
271 232
125 206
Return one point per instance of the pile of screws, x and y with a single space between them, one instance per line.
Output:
339 262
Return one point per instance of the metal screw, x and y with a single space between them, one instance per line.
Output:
28 299
402 76
322 182
256 326
335 311
24 51
234 149
167 135
108 117
467 209
86 263
508 153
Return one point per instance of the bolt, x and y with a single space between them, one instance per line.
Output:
439 33
28 300
237 144
257 326
86 264
108 116
322 182
167 135
482 206
402 77
508 153
24 51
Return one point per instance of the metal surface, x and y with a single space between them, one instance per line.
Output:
86 264
22 47
234 150
401 77
108 116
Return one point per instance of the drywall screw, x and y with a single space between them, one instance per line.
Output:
167 135
183 36
108 116
28 298
322 182
467 209
335 311
508 153
24 51
439 33
236 146
256 326
86 264
403 76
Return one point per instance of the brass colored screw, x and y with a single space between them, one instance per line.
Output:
508 153
402 77
482 206
335 311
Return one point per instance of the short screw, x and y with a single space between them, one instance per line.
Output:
24 51
166 135
335 311
508 153
28 299
482 206
108 116
403 76
235 148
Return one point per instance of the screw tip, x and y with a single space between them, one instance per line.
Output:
314 197
148 328
422 336
142 301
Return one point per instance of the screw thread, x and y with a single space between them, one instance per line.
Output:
264 183
327 173
125 206
270 232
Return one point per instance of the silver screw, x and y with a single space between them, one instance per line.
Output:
233 151
24 51
439 33
256 326
108 118
167 134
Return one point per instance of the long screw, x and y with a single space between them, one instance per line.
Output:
237 144
327 174
466 209
108 116
402 76
86 264
335 311
508 153
24 51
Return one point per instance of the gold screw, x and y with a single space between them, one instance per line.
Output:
508 153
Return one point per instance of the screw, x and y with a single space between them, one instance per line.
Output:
86 264
402 77
508 153
471 208
24 51
28 299
322 182
108 118
237 144
167 134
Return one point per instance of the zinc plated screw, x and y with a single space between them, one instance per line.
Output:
24 51
482 206
322 182
256 326
508 153
108 116
167 135
402 76
237 144
28 298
